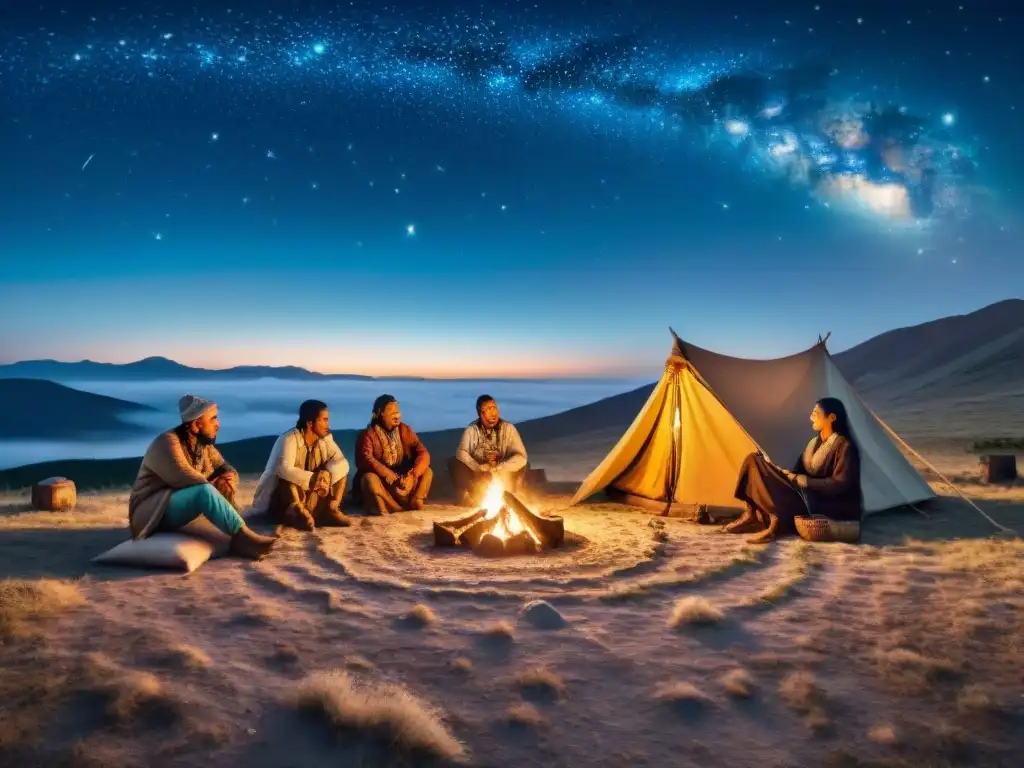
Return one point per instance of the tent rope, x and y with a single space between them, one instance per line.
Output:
946 480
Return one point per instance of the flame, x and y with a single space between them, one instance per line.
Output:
494 498
508 523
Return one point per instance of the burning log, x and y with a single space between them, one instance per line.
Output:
505 526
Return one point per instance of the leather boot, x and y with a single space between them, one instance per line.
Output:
251 545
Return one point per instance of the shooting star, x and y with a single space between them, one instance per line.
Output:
88 161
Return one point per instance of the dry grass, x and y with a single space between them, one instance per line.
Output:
883 733
525 714
499 630
186 657
680 692
358 663
738 683
22 599
420 615
913 671
977 699
461 664
129 694
384 712
694 610
801 561
542 682
802 694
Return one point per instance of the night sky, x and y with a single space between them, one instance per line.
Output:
500 189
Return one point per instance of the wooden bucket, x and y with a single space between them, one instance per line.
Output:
54 494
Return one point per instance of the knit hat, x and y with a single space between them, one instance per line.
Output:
191 407
382 402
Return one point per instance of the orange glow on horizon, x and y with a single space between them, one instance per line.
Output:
441 362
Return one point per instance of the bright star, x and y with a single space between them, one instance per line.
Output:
736 127
271 155
319 48
410 230
948 119
214 136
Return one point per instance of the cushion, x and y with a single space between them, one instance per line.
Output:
175 551
184 550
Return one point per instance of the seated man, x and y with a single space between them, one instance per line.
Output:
392 465
490 447
306 474
184 476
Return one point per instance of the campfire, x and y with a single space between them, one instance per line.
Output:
502 526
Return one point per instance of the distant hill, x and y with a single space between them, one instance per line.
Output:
249 456
160 369
46 410
980 354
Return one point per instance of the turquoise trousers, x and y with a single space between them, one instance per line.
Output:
189 503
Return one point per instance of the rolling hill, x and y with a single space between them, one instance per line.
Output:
43 410
160 369
980 354
958 378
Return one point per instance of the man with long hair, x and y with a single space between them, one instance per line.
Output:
392 464
306 474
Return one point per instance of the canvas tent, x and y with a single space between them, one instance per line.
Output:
708 411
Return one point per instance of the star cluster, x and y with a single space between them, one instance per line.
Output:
848 145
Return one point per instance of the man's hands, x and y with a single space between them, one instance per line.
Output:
321 483
226 483
404 483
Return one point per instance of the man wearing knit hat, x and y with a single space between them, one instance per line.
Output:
183 477
392 465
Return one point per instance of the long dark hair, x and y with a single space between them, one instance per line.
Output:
309 411
832 406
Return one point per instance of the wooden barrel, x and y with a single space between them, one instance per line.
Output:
54 494
998 468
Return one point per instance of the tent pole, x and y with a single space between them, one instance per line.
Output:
676 413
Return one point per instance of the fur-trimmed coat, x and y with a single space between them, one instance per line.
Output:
832 470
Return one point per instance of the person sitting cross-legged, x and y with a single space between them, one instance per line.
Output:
183 476
491 448
392 464
825 480
306 474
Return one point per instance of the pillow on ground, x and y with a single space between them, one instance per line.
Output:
184 550
174 551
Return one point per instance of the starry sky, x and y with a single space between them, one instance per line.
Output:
500 189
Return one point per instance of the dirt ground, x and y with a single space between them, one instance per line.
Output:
661 643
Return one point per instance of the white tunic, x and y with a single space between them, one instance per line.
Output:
288 462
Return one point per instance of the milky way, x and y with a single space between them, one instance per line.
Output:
775 118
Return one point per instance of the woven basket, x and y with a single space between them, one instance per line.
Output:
813 528
820 528
54 494
844 530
